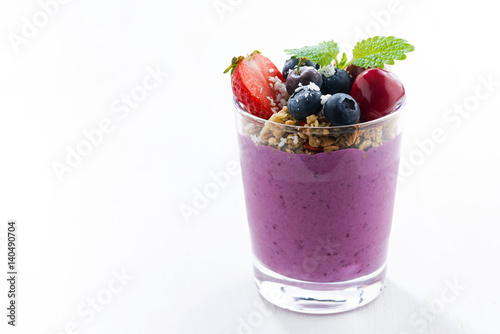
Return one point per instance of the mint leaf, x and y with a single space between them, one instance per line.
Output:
343 61
323 53
380 50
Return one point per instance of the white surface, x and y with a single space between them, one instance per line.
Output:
119 209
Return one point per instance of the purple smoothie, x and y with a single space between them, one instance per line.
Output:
320 218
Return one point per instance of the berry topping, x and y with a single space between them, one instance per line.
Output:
341 109
377 92
292 63
258 84
315 77
305 101
338 82
302 76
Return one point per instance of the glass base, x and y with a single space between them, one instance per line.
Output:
317 297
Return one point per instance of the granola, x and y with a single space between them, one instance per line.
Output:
316 135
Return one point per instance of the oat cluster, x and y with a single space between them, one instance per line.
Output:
312 136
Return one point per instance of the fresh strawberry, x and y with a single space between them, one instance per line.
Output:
254 80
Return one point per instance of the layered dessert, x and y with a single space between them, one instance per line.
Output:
319 144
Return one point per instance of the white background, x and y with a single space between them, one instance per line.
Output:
119 208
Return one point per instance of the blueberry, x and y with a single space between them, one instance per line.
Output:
304 102
292 63
340 82
341 109
306 75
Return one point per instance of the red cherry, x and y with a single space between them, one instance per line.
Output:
377 92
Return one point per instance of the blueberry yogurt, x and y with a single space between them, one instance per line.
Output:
324 217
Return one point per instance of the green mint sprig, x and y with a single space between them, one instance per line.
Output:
372 52
323 53
343 61
379 50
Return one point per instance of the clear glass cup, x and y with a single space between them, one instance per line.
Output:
319 221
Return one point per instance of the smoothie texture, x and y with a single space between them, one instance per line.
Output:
324 217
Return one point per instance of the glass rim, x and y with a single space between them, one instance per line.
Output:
393 114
